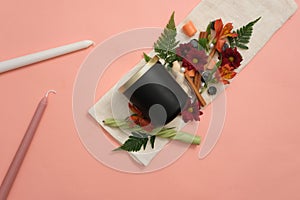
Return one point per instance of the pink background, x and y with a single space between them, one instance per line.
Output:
257 156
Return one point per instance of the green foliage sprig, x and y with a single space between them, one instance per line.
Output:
244 34
136 141
166 44
140 136
146 57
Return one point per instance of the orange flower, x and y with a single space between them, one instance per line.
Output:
222 33
138 119
225 73
134 110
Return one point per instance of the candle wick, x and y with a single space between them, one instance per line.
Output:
50 91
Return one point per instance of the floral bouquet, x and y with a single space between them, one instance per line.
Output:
197 66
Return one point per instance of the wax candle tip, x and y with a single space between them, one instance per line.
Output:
50 91
90 42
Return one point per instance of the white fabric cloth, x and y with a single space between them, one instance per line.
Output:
273 14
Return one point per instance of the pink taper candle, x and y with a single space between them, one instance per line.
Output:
20 154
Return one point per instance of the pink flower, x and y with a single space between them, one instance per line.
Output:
197 58
191 111
184 49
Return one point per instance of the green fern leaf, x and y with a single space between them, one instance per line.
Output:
136 141
166 44
242 46
152 140
146 57
244 35
171 23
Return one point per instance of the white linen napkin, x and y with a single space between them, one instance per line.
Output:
273 14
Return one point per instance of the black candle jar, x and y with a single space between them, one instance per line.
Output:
155 93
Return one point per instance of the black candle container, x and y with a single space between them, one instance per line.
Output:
155 93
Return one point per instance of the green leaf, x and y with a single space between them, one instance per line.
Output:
217 65
203 42
146 57
136 141
242 46
145 143
152 140
166 44
140 136
244 34
208 28
171 23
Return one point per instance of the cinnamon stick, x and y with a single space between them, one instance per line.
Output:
199 97
203 34
197 80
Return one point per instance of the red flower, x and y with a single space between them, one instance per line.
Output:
222 33
186 64
232 57
191 111
197 58
225 73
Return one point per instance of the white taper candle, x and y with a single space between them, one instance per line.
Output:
43 55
